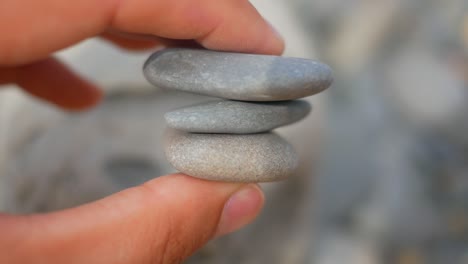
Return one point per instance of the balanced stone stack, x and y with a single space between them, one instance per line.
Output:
231 139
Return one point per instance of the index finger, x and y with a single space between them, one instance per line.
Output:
31 29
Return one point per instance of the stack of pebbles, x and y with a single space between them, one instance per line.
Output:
231 140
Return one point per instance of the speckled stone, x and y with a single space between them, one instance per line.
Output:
235 158
237 76
235 117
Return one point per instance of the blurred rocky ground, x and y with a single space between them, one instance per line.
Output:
384 170
393 185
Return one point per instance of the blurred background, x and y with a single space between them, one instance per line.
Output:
384 156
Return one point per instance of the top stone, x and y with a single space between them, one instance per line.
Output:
237 76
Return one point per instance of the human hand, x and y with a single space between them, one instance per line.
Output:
164 220
32 30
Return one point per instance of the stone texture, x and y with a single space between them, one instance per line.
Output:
235 117
236 158
244 77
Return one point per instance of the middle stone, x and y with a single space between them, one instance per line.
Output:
235 117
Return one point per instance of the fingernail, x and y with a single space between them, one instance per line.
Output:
241 208
277 46
275 31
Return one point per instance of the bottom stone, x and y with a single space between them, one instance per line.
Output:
236 158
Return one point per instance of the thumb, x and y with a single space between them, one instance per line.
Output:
162 221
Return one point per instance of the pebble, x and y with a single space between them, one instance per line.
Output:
234 158
235 117
230 140
237 76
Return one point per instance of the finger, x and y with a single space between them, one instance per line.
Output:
163 221
7 75
233 25
47 26
54 82
132 41
143 42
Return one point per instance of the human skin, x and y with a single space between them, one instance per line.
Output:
164 220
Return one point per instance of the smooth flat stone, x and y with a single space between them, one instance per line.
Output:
235 117
235 158
237 76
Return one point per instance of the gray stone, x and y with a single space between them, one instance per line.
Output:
237 76
235 117
235 158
